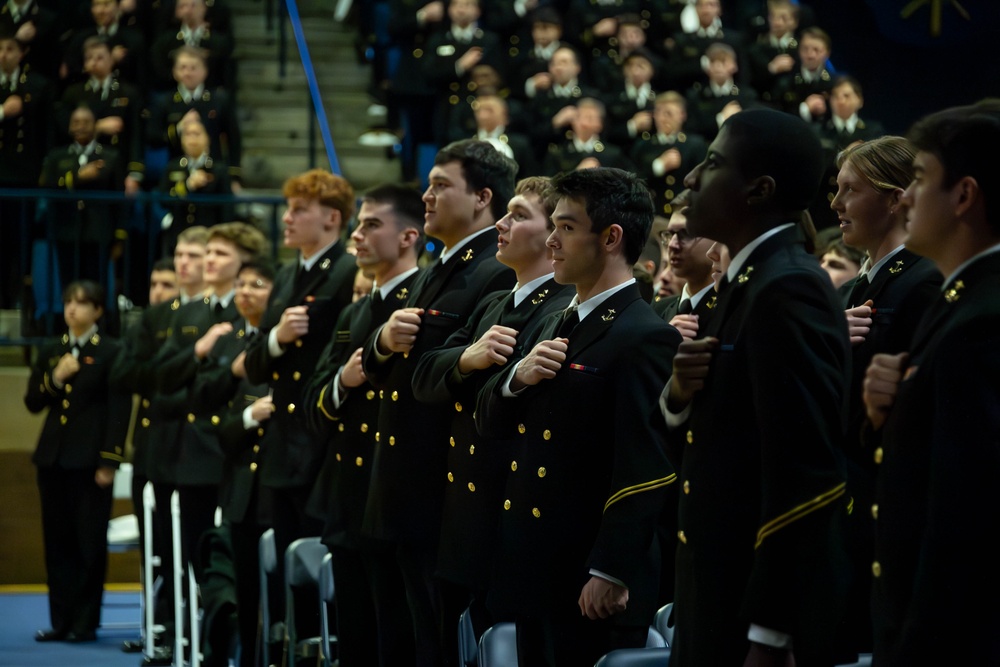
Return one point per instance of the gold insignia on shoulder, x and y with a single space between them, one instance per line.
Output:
896 269
745 276
541 297
951 296
402 294
467 256
175 305
65 339
609 316
325 264
599 147
183 162
710 304
241 333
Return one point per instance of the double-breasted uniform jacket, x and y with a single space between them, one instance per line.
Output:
621 108
88 418
218 43
566 156
218 399
133 68
341 490
546 104
124 101
791 89
42 57
649 146
218 115
933 574
186 212
703 106
587 478
25 138
170 412
759 461
290 455
683 67
477 467
411 37
408 475
81 220
759 55
135 373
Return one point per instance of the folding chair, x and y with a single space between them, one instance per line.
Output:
635 657
303 559
467 648
268 555
123 536
180 639
664 622
498 646
327 592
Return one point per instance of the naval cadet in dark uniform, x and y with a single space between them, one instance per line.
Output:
343 407
577 562
470 185
455 372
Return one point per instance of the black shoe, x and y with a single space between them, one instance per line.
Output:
162 655
49 636
133 646
80 637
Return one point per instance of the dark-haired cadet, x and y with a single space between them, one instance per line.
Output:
80 447
938 408
373 619
458 370
756 410
578 562
244 409
470 185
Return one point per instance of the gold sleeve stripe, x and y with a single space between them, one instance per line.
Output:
796 513
112 457
48 385
639 488
319 404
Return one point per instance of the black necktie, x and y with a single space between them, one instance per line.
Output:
377 298
570 318
302 278
217 311
685 307
860 286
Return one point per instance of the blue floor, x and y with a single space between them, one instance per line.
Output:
21 615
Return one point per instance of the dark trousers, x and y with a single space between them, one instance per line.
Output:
423 594
245 537
392 612
357 632
75 513
198 505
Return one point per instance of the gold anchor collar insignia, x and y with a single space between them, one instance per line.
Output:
541 297
467 256
710 303
402 294
745 276
897 268
952 295
610 316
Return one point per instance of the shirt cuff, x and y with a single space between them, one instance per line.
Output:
273 346
607 577
379 356
673 419
658 168
507 392
804 112
248 421
769 637
335 396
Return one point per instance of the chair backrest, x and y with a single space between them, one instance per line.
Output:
121 488
468 652
303 561
498 646
326 588
635 657
664 622
268 552
654 639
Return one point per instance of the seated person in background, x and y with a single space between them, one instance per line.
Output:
117 106
806 89
37 29
194 31
128 51
532 68
193 173
85 230
711 103
776 52
665 156
685 65
554 98
584 148
841 261
484 80
630 107
193 100
492 116
606 66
